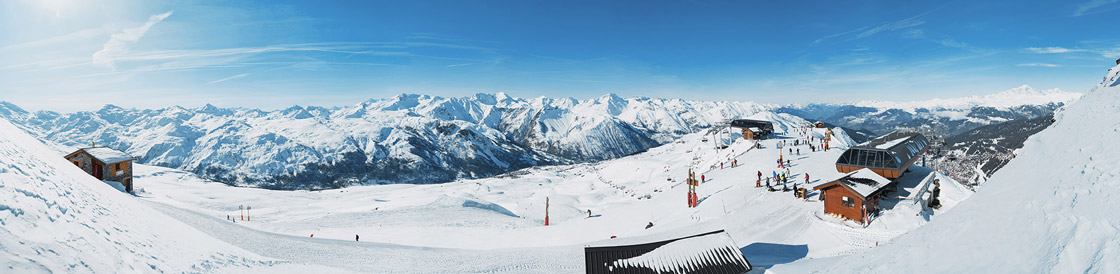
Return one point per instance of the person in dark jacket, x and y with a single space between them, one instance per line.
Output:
355 237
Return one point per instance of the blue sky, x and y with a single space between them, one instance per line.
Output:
68 55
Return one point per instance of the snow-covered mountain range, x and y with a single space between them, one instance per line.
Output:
404 139
950 116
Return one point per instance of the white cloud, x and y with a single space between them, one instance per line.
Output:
1087 8
118 43
1053 50
1040 65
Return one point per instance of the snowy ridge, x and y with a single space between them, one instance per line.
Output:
1019 96
408 138
1058 200
948 116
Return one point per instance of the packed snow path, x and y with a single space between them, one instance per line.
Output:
381 257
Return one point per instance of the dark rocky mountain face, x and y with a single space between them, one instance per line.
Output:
973 156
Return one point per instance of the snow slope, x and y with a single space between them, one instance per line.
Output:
405 139
1051 210
55 218
507 212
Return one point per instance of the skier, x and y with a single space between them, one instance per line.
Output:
702 179
588 213
758 183
355 237
798 151
720 165
806 178
760 175
735 163
649 225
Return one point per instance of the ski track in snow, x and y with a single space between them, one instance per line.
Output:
381 257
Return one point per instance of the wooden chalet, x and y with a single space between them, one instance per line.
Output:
889 155
753 129
855 194
105 164
712 252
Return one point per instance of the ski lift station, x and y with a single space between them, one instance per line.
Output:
889 155
753 129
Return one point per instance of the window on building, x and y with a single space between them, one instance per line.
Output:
77 163
848 202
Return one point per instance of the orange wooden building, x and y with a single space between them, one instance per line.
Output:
855 194
889 155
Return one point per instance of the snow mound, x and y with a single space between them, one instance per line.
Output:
1051 209
55 218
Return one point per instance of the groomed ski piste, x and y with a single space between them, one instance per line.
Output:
178 222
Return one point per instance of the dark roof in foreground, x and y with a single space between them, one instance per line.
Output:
712 252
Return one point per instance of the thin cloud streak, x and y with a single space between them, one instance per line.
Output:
868 31
1040 65
118 43
1053 50
1087 8
228 78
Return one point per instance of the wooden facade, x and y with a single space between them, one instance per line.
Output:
834 196
855 195
752 134
105 164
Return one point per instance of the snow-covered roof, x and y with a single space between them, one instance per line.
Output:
891 143
863 181
712 252
754 129
107 155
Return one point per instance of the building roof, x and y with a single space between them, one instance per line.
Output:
863 182
745 123
712 252
107 155
891 151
